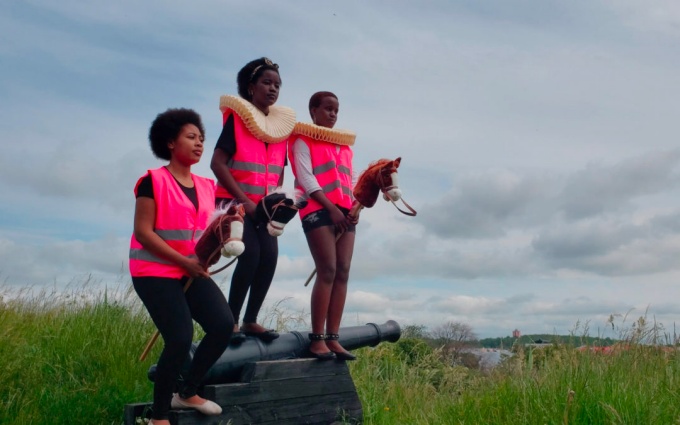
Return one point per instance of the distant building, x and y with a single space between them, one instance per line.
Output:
516 333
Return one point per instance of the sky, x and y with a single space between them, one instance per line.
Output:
538 141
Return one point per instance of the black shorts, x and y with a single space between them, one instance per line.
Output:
321 218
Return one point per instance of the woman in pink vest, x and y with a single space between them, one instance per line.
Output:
321 158
248 162
172 209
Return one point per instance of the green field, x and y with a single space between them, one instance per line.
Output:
72 358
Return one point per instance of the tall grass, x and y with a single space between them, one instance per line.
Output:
636 383
72 358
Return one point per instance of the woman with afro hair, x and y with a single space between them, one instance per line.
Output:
172 209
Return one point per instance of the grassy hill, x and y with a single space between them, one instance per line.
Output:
73 359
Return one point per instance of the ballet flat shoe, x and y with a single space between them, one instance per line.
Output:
207 408
237 338
344 355
267 336
323 356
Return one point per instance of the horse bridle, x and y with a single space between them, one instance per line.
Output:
384 189
223 241
270 217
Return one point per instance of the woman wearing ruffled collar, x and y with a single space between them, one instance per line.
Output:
321 158
248 162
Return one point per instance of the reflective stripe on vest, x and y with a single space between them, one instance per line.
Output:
177 222
256 166
333 172
143 254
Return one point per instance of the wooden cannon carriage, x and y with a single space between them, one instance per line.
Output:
274 383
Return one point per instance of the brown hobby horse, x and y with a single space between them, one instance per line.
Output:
380 177
223 236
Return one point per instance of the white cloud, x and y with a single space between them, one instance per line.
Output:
602 189
61 261
661 16
538 143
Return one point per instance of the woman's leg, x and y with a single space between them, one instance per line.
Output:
321 241
244 273
344 250
262 280
167 306
210 309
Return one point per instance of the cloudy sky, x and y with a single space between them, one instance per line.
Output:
538 137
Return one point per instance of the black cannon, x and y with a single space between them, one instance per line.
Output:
291 345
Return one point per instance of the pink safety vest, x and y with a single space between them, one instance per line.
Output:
177 223
256 166
332 169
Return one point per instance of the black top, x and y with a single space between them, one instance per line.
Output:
227 139
145 189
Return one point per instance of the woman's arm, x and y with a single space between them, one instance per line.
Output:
219 166
306 178
145 217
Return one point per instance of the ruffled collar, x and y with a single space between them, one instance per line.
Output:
272 128
325 134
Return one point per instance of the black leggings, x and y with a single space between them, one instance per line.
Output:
254 271
172 312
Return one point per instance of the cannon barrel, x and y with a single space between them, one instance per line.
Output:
288 346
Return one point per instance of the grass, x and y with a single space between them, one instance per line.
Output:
72 358
555 385
69 358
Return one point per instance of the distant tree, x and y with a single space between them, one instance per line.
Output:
453 337
455 333
509 342
468 359
505 342
414 331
